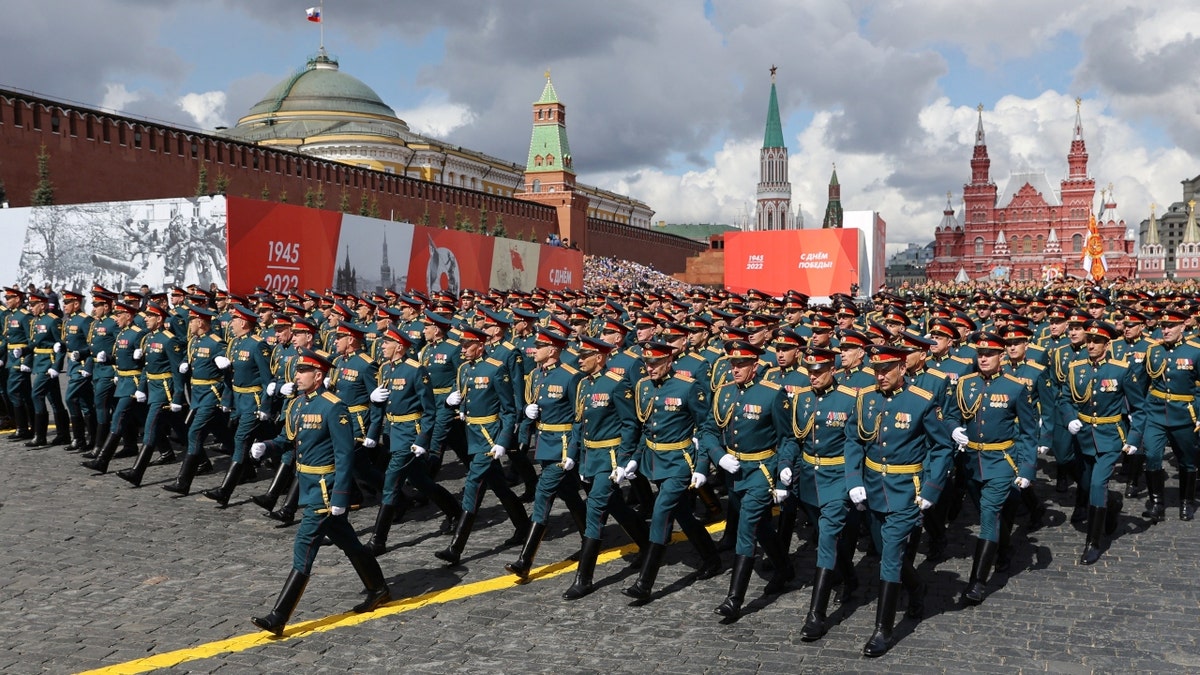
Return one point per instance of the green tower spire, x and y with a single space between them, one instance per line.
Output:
549 150
833 210
773 138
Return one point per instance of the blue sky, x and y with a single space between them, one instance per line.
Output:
667 100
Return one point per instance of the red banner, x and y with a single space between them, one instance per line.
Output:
280 246
818 263
560 268
449 260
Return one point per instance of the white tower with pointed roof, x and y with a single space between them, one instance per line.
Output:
1152 261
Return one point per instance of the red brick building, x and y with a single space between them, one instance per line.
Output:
1029 230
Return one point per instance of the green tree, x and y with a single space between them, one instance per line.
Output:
3 193
202 183
266 192
344 207
533 236
498 230
442 218
310 198
283 196
483 220
319 202
43 194
374 213
364 205
222 183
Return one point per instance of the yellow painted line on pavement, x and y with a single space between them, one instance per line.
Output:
241 643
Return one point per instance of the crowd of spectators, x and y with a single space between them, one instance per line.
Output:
604 274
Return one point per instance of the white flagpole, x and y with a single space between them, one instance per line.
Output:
321 9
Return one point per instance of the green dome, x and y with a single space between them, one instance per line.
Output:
321 87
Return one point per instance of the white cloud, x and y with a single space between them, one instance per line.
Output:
437 119
206 108
117 98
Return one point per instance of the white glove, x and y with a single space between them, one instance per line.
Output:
380 394
82 373
858 495
924 503
175 407
57 347
454 398
1 363
417 450
498 451
1074 426
631 468
74 356
101 357
139 396
52 372
261 416
696 443
618 474
779 496
369 443
328 382
137 354
1129 449
337 510
698 480
271 389
116 379
25 369
287 388
17 351
1021 483
532 411
785 475
221 362
257 450
224 408
568 464
184 367
960 435
1043 449
729 463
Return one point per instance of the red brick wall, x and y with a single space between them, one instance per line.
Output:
667 253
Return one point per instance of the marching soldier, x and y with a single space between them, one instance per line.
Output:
318 429
46 345
76 327
160 386
1170 415
205 364
754 418
97 366
1099 392
353 378
126 359
20 364
897 459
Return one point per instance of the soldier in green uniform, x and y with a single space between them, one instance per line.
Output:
96 366
897 458
78 399
409 415
996 428
754 420
1099 392
673 409
205 366
45 342
19 362
1037 378
483 396
318 429
126 358
304 336
353 378
1170 415
160 386
549 415
1132 347
441 358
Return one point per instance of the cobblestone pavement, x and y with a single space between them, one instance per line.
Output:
98 574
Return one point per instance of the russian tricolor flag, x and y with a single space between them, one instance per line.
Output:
314 14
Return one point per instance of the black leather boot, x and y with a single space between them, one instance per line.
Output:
981 569
728 540
377 545
93 451
187 471
376 586
286 514
816 623
1187 495
453 553
844 563
41 422
90 441
710 559
641 589
1094 544
916 588
103 456
134 474
1062 478
289 597
62 427
78 435
1134 464
885 619
743 567
782 565
787 527
222 494
279 485
22 423
587 569
1156 505
525 559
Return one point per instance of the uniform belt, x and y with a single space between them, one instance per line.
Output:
600 445
204 383
823 461
358 408
409 417
668 447
1172 397
318 470
438 391
129 373
43 350
160 376
893 468
1091 419
487 419
751 456
985 447
248 390
553 427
